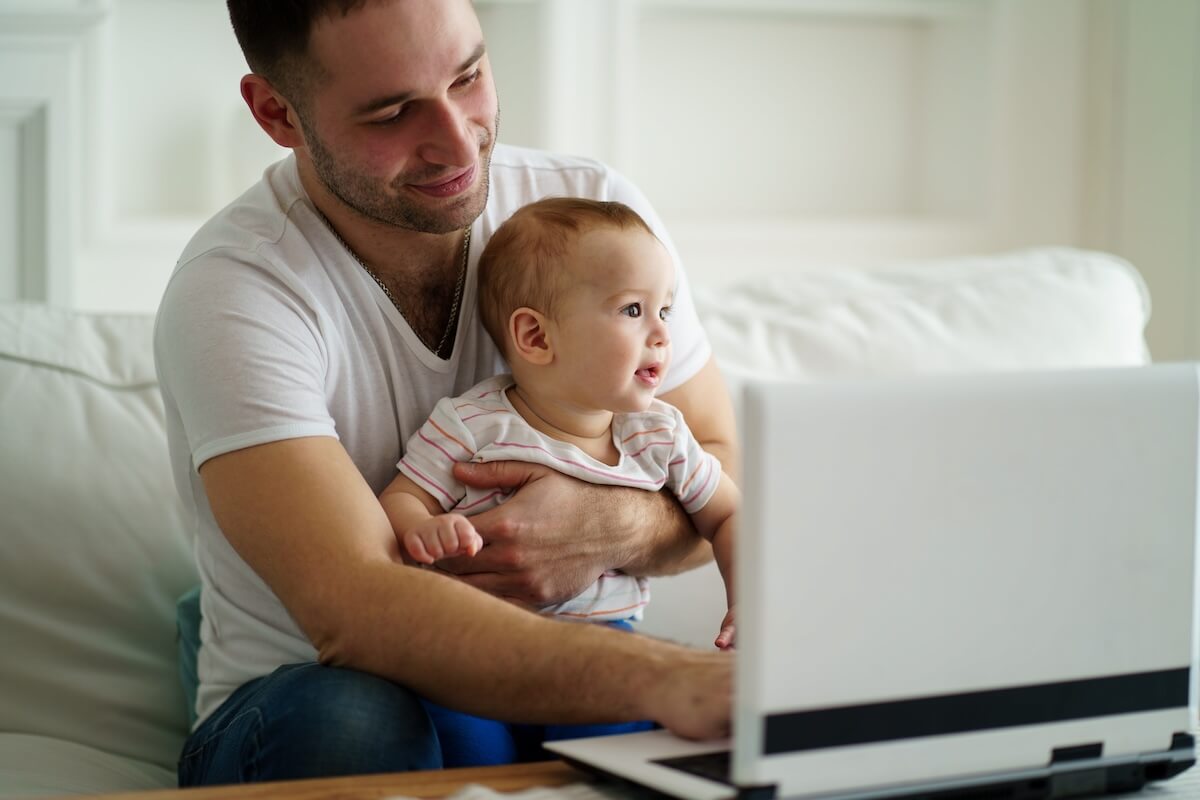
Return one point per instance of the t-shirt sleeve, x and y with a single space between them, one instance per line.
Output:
690 349
431 453
692 473
240 357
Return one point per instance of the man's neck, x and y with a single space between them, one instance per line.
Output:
422 274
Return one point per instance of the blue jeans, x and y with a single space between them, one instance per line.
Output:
309 721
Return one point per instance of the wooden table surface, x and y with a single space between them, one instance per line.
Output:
511 778
436 783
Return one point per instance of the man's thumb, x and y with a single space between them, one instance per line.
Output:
494 474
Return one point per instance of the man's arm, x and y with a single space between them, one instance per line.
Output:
557 534
303 518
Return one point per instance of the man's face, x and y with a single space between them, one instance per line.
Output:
401 123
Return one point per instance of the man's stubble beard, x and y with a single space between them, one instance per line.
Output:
366 195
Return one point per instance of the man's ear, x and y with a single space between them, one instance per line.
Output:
272 111
528 330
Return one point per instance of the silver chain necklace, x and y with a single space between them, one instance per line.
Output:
455 306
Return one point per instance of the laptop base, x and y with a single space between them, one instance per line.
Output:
1058 781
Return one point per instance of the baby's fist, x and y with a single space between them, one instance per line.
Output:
440 537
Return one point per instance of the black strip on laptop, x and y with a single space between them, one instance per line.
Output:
975 711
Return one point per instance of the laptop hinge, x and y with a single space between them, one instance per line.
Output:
1077 752
764 792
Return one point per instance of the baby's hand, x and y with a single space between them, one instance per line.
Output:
441 537
725 639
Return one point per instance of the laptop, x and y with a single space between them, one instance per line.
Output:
957 586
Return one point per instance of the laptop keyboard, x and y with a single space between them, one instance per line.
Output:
714 766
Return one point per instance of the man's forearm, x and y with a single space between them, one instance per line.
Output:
427 631
661 539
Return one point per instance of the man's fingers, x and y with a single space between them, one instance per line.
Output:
490 582
458 565
496 474
500 585
486 560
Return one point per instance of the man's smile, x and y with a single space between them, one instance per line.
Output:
456 183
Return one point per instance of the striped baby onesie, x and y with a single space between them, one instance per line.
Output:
656 448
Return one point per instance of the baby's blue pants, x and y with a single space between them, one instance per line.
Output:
469 741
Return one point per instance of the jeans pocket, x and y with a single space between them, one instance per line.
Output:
225 751
191 763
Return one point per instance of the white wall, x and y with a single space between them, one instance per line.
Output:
1144 157
771 134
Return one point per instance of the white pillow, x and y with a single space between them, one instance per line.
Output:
1026 310
93 553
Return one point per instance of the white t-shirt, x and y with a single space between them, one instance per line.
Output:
270 330
656 449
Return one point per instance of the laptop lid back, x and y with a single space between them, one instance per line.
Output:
940 578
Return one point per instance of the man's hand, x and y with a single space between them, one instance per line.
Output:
556 535
696 699
547 543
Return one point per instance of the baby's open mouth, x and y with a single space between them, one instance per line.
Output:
649 374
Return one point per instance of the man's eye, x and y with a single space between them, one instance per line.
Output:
467 80
665 312
395 116
633 310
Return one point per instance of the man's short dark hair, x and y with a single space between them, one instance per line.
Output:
274 35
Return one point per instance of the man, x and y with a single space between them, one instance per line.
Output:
307 331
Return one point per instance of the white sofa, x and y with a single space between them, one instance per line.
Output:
94 546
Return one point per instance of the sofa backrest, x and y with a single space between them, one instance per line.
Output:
93 544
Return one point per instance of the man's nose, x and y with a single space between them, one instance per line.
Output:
449 136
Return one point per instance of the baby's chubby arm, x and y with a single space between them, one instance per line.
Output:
425 533
715 523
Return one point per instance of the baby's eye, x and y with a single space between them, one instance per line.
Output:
633 310
665 312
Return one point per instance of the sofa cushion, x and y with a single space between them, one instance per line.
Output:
93 552
30 766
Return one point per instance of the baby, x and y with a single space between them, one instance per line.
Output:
576 295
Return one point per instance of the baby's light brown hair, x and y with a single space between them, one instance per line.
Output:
527 261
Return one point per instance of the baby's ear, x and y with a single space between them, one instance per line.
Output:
528 331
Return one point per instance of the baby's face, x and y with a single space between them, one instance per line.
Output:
612 339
